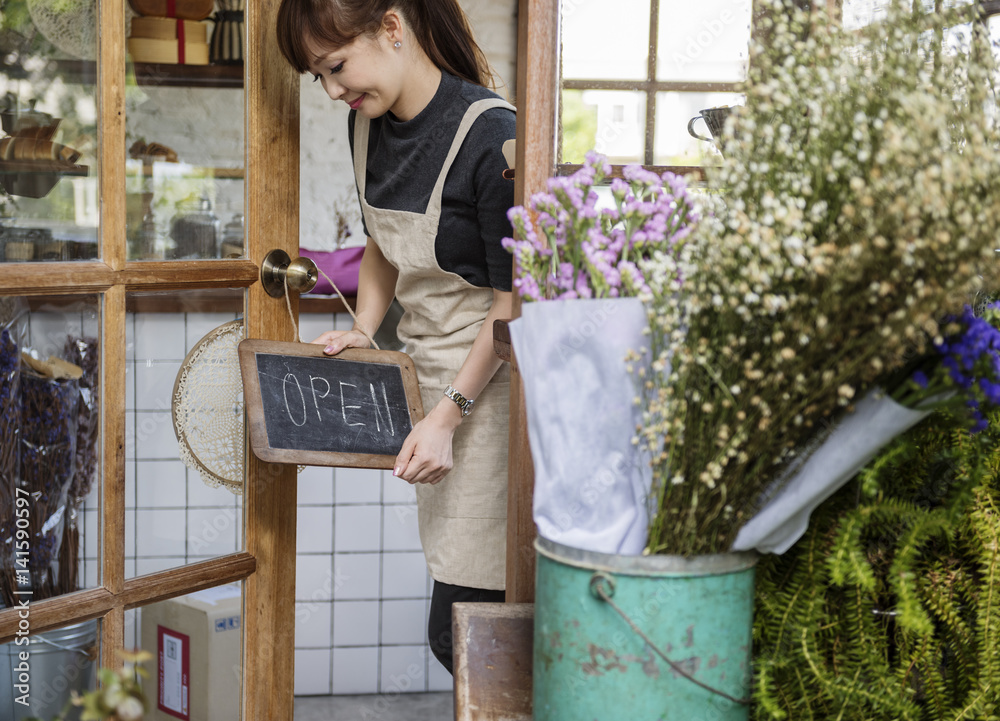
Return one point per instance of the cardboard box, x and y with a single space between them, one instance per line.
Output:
148 50
167 29
195 641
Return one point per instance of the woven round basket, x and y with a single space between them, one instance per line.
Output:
207 408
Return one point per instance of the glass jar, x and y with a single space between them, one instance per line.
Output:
195 230
232 238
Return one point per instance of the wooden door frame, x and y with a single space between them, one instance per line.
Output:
268 564
537 121
272 167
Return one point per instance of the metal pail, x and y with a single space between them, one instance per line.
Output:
602 622
58 662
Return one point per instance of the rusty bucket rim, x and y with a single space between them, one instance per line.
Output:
651 565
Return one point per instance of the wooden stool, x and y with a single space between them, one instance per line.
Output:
493 653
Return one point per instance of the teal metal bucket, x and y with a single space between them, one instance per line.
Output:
602 622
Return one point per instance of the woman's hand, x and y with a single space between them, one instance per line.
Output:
336 340
426 453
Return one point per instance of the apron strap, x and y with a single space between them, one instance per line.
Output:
361 128
474 111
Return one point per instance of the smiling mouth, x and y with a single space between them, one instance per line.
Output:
356 103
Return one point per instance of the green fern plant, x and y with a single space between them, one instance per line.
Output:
889 607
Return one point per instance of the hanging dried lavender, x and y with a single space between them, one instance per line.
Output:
9 446
48 450
81 352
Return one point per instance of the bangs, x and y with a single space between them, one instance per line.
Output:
304 24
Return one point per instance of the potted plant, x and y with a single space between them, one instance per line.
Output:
851 218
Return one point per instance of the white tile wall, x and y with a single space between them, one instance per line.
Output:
403 669
358 528
162 484
356 576
312 624
351 489
315 486
404 575
397 621
313 530
160 336
356 623
313 577
399 528
312 671
355 670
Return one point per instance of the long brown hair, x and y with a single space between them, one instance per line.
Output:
440 26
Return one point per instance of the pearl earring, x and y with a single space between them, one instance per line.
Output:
397 45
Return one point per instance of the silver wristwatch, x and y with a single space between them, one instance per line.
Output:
461 401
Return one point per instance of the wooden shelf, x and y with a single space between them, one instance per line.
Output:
199 76
219 301
224 173
35 178
148 74
209 300
42 166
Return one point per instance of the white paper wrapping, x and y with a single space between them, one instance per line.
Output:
591 482
849 446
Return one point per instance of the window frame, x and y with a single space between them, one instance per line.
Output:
649 87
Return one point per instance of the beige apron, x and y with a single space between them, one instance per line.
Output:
462 519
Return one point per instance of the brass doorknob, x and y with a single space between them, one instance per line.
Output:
301 274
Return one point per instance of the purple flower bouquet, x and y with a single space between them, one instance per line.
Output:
578 350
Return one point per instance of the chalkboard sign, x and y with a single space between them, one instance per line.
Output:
350 410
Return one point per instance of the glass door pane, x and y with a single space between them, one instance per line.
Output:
184 136
194 640
48 148
180 454
50 410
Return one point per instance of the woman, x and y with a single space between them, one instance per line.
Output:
426 136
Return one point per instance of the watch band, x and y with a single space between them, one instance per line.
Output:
465 404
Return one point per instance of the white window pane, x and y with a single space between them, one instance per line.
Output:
605 41
706 41
612 122
674 146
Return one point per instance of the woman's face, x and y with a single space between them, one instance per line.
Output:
365 73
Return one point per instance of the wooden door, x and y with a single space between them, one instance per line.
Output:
115 278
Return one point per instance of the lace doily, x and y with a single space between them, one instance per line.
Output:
208 408
71 27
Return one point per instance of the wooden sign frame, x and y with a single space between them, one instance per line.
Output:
259 441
